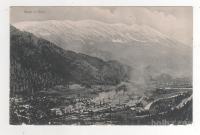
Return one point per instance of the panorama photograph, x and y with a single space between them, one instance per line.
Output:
119 65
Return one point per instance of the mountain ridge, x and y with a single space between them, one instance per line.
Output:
92 23
37 64
135 45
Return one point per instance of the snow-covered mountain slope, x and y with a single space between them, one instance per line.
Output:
89 29
146 50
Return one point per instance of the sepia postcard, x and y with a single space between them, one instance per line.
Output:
113 65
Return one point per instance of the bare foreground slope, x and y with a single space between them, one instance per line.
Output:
51 85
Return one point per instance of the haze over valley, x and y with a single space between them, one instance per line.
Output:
87 71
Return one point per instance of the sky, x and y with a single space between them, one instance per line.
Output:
175 22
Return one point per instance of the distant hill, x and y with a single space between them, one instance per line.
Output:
36 64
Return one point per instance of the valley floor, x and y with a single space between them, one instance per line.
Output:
172 106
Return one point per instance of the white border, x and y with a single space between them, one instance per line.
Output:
5 128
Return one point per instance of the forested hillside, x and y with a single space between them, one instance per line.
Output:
37 64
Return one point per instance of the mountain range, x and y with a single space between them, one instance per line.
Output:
146 50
